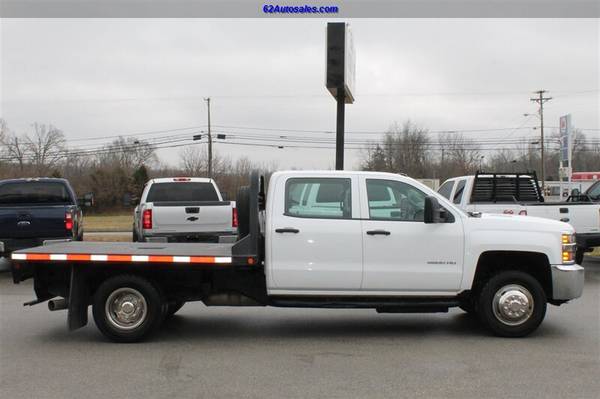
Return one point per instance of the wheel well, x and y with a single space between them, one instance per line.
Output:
534 263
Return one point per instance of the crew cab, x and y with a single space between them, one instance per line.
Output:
520 194
184 209
36 210
324 239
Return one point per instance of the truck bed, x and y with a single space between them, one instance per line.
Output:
126 252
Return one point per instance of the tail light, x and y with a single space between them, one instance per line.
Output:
68 221
234 218
147 219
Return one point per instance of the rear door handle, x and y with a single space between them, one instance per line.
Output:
287 230
378 232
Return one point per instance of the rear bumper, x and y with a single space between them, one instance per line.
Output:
567 281
588 240
213 236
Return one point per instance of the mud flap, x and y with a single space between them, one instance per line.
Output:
79 299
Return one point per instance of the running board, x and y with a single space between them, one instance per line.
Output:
393 305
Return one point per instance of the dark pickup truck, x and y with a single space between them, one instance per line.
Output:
36 210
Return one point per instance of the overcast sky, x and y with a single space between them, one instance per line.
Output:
105 77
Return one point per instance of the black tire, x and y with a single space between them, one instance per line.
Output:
172 308
467 306
512 281
243 211
123 285
579 256
134 236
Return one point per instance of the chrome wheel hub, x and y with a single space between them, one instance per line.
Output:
513 304
126 308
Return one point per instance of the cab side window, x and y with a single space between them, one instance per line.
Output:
446 189
394 200
328 198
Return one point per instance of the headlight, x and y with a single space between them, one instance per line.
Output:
568 248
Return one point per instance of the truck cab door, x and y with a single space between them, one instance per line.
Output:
314 238
402 253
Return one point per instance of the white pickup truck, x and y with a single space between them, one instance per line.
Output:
325 239
184 209
520 194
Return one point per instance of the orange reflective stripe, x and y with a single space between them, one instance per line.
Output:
202 259
123 258
119 258
157 258
78 257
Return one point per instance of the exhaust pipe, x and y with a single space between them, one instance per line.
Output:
57 304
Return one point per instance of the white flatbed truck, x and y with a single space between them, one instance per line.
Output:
325 239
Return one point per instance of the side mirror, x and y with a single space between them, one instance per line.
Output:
433 212
575 191
87 201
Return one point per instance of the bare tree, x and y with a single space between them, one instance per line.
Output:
15 149
46 147
404 149
461 157
193 161
128 153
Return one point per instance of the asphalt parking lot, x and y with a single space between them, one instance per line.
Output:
299 353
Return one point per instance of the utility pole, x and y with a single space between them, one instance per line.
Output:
541 100
209 140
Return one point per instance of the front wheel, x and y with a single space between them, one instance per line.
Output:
512 304
127 308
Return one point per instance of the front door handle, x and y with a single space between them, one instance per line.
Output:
287 230
378 232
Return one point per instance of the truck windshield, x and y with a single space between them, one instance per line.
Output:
34 192
177 192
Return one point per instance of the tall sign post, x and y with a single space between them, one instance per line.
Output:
339 78
565 167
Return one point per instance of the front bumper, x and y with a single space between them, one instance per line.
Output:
567 281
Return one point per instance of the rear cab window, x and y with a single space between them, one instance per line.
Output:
34 193
328 198
182 192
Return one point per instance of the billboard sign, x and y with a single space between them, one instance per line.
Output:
340 60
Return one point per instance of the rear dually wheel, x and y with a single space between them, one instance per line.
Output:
127 308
